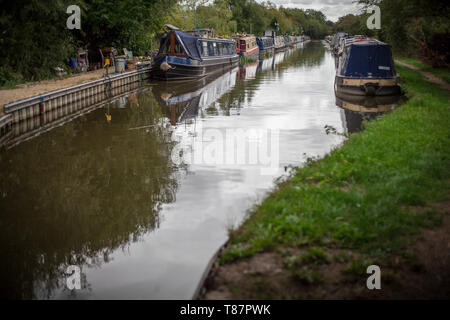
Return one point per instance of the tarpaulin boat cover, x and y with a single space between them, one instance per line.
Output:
189 43
337 37
368 59
264 43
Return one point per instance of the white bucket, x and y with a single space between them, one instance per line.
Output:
120 65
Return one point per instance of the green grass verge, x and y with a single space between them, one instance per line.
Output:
360 195
442 73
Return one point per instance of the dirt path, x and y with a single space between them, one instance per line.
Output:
428 75
34 88
421 274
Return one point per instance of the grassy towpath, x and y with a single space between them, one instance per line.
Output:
437 76
382 198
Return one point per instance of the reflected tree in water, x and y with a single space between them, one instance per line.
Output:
81 191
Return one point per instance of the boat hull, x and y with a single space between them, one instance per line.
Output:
253 54
179 69
367 87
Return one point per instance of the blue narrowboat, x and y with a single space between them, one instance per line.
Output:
183 56
265 44
366 68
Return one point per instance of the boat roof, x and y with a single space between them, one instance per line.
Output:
364 42
368 58
245 37
190 42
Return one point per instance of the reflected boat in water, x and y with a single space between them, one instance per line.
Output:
356 109
248 71
185 100
265 64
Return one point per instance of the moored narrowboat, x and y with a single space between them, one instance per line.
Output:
287 41
184 56
366 68
279 43
336 40
265 44
293 40
248 46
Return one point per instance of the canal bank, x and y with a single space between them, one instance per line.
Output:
381 199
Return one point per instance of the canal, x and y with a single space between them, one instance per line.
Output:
141 192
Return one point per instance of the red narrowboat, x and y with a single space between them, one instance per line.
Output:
247 46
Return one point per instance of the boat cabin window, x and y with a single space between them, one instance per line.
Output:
204 48
243 45
178 49
210 48
171 46
216 49
229 48
166 47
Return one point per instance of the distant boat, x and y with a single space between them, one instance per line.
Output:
336 41
280 44
287 41
183 56
265 44
293 40
366 68
248 47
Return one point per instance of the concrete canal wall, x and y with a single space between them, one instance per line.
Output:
5 128
22 117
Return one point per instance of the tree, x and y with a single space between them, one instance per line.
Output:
423 26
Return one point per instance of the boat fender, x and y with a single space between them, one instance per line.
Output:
371 88
165 66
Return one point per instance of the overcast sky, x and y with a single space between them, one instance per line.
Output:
333 9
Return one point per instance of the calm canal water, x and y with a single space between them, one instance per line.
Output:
119 192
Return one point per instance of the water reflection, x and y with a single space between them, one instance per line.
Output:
102 191
81 192
32 127
356 109
183 101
